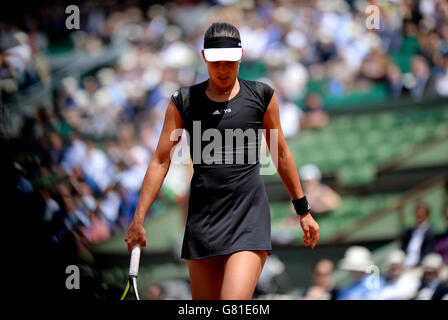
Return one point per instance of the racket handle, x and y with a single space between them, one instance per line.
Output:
135 260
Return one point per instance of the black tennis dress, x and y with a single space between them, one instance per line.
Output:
228 208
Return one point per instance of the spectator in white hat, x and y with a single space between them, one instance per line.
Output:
431 288
365 286
399 284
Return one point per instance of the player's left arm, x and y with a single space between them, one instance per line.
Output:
286 168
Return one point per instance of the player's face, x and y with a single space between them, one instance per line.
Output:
223 73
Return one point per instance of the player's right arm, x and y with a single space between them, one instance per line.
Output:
154 177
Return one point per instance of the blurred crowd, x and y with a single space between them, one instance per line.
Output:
416 270
22 58
105 126
298 42
84 158
86 187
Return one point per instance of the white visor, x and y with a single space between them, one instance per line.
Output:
223 54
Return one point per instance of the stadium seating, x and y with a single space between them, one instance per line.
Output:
354 146
354 208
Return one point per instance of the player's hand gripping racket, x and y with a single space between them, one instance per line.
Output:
133 272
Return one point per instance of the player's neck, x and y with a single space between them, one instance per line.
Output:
216 91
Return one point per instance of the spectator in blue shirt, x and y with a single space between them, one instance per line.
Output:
364 286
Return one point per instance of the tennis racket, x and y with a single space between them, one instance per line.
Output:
133 272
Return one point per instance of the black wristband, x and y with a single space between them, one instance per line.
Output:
301 206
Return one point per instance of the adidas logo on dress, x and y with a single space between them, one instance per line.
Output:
225 111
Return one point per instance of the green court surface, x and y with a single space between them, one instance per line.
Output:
162 231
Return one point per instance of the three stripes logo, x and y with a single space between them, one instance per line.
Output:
216 112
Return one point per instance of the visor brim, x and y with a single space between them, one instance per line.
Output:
223 54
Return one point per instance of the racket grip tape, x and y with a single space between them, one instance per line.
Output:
135 261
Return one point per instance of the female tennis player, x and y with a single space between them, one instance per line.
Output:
228 232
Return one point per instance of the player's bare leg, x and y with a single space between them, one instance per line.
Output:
241 273
206 277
